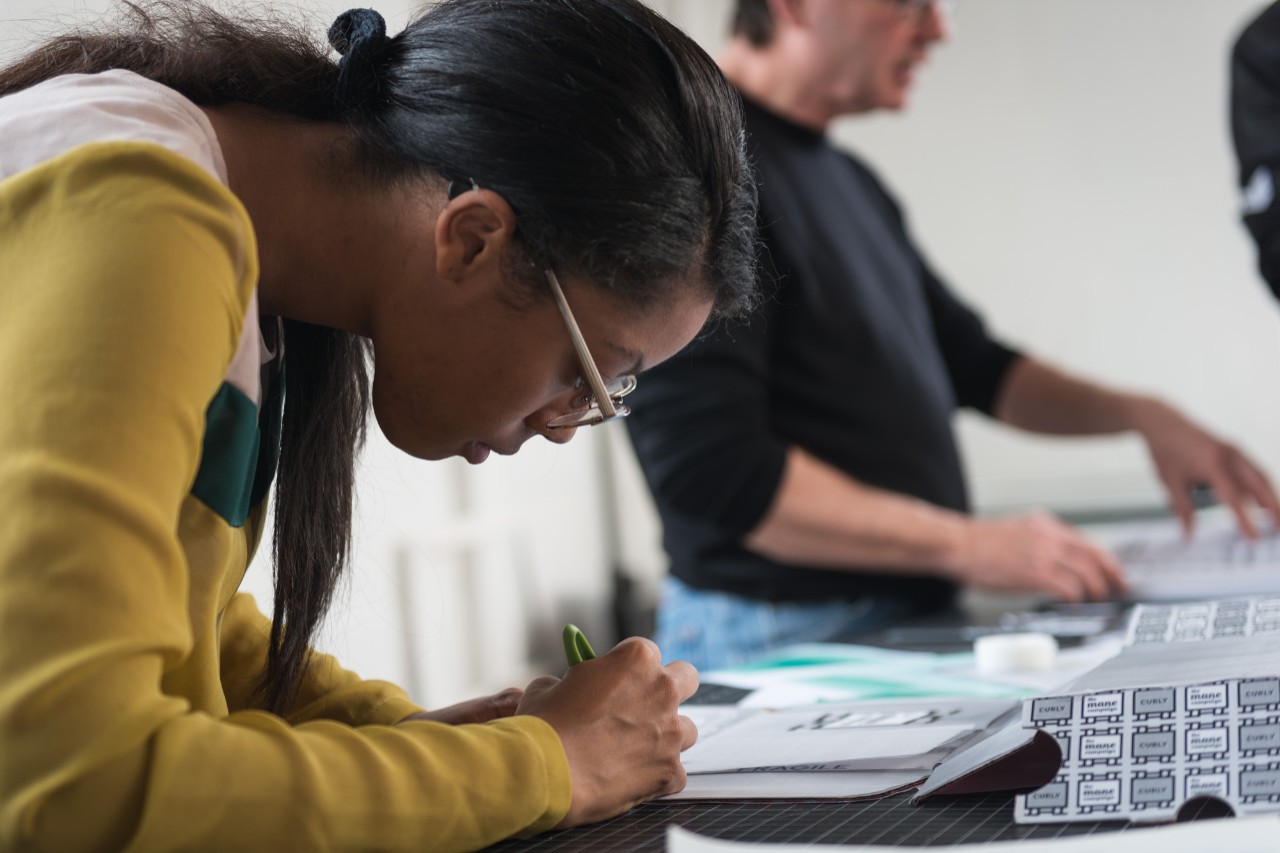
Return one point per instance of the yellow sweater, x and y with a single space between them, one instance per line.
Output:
126 656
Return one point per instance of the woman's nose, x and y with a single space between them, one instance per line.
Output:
559 435
539 420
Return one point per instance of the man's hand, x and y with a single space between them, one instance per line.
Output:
1186 456
1036 553
617 717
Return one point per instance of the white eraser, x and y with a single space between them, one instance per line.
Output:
1032 652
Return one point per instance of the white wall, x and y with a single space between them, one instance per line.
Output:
1105 232
1066 164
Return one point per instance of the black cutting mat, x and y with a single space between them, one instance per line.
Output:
892 821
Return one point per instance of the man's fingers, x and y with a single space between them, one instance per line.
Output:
1180 497
1083 565
1259 487
1088 571
1063 581
1231 495
1112 571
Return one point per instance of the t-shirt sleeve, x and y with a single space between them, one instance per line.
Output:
126 272
977 364
701 424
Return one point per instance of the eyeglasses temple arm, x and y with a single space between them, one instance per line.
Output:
594 379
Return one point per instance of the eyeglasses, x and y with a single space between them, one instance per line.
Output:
605 401
917 9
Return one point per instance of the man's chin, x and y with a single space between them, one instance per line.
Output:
895 98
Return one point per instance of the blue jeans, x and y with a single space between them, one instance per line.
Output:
713 629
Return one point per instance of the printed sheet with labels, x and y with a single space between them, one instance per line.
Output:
1171 719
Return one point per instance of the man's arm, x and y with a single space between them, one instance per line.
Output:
1040 398
704 434
822 517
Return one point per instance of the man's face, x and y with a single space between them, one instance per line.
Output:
868 50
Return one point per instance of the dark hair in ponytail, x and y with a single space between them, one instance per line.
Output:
611 134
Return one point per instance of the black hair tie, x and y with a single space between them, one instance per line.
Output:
360 35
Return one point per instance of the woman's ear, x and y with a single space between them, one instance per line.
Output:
472 230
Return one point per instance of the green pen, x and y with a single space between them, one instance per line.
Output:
576 647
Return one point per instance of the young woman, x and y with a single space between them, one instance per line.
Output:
206 226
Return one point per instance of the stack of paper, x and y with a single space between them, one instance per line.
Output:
838 750
1203 620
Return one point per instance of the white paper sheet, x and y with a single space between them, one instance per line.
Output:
1217 561
858 736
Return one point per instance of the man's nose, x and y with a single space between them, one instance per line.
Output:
936 24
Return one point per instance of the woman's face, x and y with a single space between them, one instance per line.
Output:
467 372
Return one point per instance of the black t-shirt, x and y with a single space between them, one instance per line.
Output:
1255 129
859 354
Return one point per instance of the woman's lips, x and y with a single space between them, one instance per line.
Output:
475 452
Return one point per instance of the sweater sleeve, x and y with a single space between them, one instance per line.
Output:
326 692
126 275
976 363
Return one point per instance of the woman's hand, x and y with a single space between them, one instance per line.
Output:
480 710
617 717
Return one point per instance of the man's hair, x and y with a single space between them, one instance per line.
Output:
753 21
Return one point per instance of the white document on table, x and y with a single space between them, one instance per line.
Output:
1201 621
1162 564
1238 835
891 735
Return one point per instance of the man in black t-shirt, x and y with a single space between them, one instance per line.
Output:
804 463
1255 129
